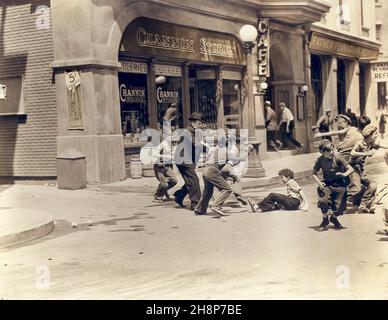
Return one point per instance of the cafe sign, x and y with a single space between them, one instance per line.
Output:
341 47
154 38
263 48
380 72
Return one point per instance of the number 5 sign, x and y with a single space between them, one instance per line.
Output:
74 100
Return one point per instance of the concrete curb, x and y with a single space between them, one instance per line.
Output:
247 184
23 225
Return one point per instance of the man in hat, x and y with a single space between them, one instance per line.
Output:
187 155
271 124
362 150
287 125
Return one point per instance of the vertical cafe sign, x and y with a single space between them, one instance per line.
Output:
263 48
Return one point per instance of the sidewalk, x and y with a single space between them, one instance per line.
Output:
302 166
23 225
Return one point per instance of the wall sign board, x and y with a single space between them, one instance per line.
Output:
156 38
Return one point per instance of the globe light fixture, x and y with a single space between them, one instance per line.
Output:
248 35
303 89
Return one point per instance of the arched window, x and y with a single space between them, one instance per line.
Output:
316 83
341 86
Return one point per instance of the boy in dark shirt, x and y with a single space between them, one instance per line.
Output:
331 190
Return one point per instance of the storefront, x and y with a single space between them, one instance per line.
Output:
164 64
341 74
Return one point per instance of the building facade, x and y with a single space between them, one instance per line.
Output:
115 69
380 68
342 47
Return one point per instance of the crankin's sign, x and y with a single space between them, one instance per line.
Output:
263 48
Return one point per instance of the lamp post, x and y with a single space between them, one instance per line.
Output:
248 35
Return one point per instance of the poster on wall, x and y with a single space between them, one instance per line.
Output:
74 102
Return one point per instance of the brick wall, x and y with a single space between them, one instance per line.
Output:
28 144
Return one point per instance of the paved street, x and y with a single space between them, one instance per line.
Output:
135 249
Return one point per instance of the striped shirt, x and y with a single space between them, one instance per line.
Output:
329 167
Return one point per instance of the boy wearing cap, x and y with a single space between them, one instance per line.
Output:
361 151
348 136
331 190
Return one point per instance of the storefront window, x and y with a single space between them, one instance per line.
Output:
316 84
169 92
133 102
232 102
341 86
207 101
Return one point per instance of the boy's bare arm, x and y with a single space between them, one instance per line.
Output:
331 133
318 181
349 171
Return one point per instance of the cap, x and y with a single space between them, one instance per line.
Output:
325 145
196 116
369 130
346 118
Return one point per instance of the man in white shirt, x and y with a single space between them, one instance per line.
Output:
287 125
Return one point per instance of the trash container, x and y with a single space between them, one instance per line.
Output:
71 170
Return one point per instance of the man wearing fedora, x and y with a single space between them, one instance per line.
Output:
187 155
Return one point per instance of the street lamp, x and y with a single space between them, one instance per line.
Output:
303 90
248 36
261 88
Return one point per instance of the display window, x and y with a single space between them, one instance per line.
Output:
133 102
232 103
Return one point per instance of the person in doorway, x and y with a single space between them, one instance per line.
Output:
352 116
331 191
325 122
382 123
271 124
186 157
287 125
294 200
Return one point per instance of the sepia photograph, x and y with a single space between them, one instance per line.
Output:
203 150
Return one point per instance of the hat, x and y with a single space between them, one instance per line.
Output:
282 104
171 113
369 130
346 118
267 103
325 145
327 109
196 116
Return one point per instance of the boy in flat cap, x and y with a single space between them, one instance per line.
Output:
331 190
361 151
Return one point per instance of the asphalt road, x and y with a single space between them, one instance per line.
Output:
126 247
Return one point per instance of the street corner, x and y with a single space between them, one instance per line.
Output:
19 225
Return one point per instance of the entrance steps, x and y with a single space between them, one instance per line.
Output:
274 155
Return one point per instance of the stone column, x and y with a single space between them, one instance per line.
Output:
353 86
255 167
100 139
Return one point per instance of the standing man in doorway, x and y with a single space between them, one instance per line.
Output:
271 124
186 157
287 125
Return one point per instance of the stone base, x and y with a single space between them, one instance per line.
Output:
104 155
258 172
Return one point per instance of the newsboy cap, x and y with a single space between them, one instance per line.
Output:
369 130
196 116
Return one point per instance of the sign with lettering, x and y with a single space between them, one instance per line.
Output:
341 47
263 48
380 72
132 94
133 67
165 96
151 38
168 71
